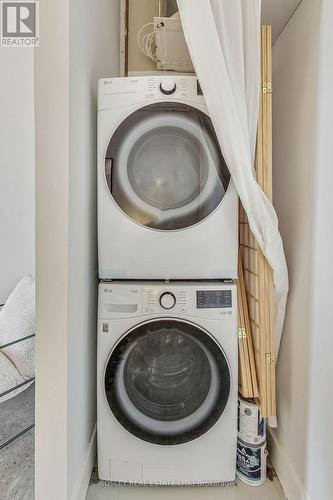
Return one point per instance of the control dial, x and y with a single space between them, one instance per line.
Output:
168 86
167 300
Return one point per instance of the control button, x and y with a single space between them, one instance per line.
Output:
150 309
183 309
168 86
167 300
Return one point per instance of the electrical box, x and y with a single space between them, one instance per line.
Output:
171 49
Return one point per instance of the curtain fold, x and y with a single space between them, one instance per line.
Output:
223 38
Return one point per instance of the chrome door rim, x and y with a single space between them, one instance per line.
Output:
153 435
216 178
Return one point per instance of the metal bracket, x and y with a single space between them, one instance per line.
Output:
267 88
242 333
270 358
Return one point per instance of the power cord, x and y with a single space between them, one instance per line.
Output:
147 42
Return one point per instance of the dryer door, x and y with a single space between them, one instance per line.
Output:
167 381
164 167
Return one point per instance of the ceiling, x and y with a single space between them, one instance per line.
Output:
277 13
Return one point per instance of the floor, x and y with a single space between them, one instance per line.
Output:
271 490
17 468
17 458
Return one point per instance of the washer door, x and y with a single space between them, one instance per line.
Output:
164 167
167 381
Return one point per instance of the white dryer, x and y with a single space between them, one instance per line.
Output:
167 208
167 382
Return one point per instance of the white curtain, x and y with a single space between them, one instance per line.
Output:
223 38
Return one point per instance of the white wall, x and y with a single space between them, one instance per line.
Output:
302 445
17 168
320 435
94 54
86 48
52 205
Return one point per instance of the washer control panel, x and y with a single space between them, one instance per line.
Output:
163 299
200 299
209 301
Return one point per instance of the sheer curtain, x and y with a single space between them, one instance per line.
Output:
223 38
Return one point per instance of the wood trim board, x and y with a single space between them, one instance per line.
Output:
258 275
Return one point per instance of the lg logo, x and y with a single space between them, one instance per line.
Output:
19 24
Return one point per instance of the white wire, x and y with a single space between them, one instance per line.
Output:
146 42
140 32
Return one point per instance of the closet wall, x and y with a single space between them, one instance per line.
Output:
73 54
302 118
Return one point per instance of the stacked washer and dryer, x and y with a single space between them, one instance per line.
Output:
167 314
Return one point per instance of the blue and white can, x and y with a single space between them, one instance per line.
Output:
251 424
251 462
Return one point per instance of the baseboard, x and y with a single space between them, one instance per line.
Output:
291 483
80 491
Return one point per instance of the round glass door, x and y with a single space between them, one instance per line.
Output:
164 167
167 382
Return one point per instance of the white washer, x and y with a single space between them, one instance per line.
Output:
167 208
167 382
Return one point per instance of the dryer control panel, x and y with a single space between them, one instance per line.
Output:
143 90
180 87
